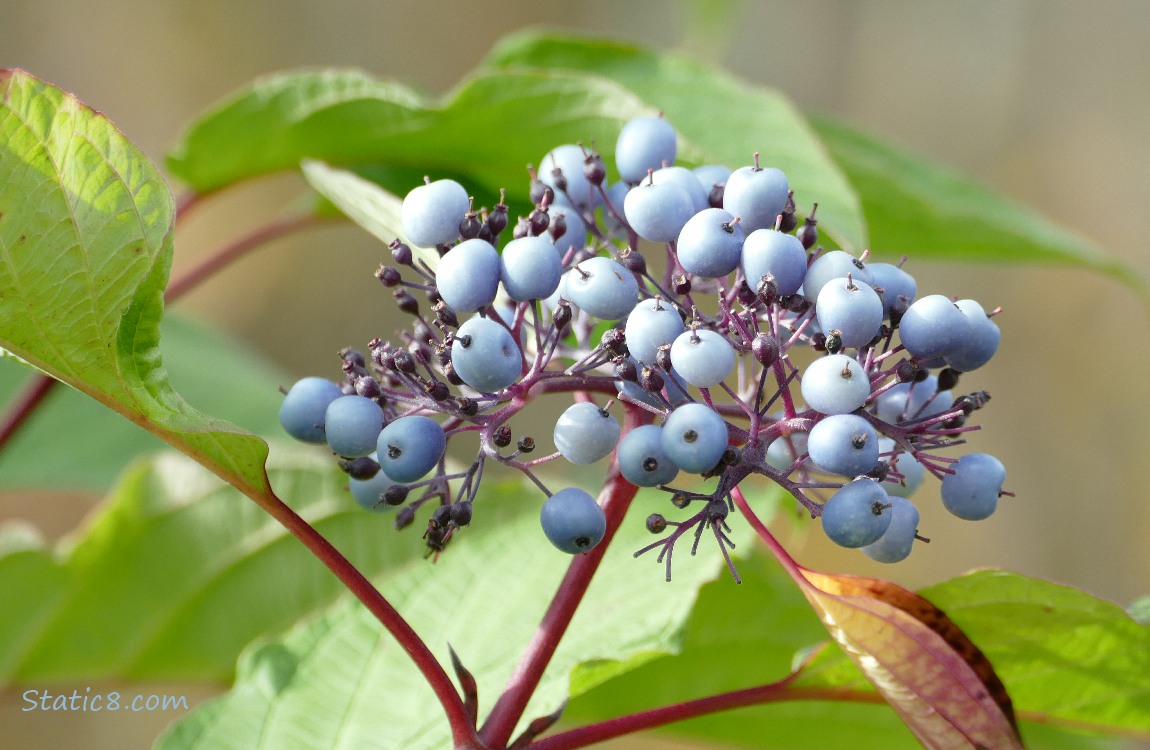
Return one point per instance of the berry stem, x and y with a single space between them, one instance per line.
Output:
615 498
774 692
462 729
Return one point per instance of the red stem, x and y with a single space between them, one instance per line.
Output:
615 498
640 721
462 729
235 250
27 401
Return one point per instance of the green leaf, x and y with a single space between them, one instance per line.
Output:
1041 638
245 392
924 210
720 119
535 93
341 682
86 225
177 573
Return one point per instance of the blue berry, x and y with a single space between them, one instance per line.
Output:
657 211
352 425
895 283
778 254
833 265
695 437
652 324
972 491
602 287
895 543
843 444
983 342
934 327
784 451
485 355
905 402
685 179
641 458
711 244
368 493
468 275
529 268
704 358
908 466
710 175
409 447
303 408
835 384
573 521
858 514
850 307
644 143
585 433
569 159
431 213
756 195
575 235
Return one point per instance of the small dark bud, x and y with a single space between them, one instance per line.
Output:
559 179
593 169
441 516
451 375
538 221
388 276
558 226
921 375
808 233
368 387
905 370
947 378
680 284
540 191
788 221
437 389
562 315
731 457
795 303
633 262
445 314
767 290
406 302
470 225
650 380
625 369
819 342
502 436
834 341
467 406
395 494
765 348
359 468
680 501
614 341
663 357
656 524
715 197
400 253
461 513
880 472
497 219
526 444
434 297
402 361
404 517
898 307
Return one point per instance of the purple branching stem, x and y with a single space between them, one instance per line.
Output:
654 718
615 498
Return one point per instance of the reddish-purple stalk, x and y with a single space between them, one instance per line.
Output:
462 729
615 498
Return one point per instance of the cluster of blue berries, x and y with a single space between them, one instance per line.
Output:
703 344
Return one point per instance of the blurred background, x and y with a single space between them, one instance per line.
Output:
1043 100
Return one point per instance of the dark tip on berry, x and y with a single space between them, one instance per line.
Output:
859 441
650 463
